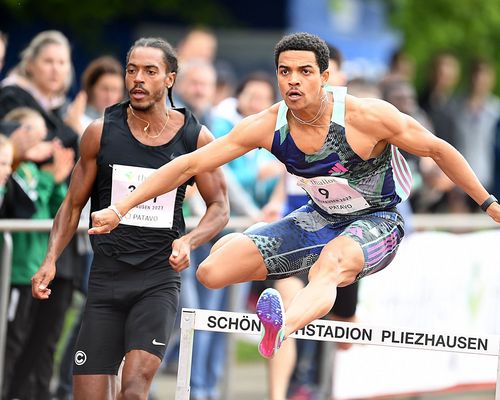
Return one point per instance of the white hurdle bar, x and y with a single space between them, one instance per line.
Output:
330 331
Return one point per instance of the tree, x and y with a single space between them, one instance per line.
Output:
469 28
87 18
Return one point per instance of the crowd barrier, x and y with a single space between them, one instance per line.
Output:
455 222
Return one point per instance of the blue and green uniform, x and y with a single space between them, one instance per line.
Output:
349 196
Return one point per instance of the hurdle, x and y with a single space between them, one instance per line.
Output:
330 331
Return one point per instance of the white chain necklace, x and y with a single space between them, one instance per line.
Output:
318 115
146 128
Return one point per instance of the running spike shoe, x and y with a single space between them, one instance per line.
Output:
271 313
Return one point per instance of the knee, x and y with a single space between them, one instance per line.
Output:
207 275
137 387
132 392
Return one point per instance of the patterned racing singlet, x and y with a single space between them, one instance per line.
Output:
336 179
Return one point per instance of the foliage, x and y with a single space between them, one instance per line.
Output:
469 28
89 16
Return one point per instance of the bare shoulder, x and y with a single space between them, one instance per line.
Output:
204 137
372 108
372 115
91 139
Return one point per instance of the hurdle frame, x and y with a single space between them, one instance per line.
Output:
243 323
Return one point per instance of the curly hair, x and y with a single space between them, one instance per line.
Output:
307 42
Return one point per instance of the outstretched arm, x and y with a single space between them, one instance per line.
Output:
406 133
245 136
212 188
68 215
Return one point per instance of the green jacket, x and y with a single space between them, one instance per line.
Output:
29 248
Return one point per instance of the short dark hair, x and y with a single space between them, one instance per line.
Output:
258 76
96 69
303 41
335 55
169 56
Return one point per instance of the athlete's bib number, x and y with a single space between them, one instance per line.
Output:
155 213
333 195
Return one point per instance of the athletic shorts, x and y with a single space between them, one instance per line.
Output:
128 308
291 245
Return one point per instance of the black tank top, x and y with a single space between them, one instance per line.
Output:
137 244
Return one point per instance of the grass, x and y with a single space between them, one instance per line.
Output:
247 352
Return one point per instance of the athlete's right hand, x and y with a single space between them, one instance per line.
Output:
103 221
40 281
181 250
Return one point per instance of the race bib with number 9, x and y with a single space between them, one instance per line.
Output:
333 194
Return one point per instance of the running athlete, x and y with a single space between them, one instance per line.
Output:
344 151
134 283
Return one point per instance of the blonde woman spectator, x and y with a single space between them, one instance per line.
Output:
41 81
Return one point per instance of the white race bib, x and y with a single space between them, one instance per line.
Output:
333 195
155 213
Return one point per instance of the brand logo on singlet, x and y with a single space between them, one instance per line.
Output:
80 357
156 343
337 167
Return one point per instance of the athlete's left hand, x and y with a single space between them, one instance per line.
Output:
181 249
494 212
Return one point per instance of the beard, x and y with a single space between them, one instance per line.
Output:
156 97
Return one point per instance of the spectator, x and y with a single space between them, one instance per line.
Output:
3 48
401 67
477 111
438 91
6 159
24 141
102 82
197 44
40 81
195 89
33 330
226 82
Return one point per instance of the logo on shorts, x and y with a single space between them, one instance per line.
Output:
80 357
157 343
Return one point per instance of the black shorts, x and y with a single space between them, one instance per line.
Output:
128 308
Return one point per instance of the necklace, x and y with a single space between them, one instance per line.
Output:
146 128
318 115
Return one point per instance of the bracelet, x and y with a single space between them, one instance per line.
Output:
118 214
488 202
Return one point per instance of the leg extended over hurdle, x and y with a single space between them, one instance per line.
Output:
332 331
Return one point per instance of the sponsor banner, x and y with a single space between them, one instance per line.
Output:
323 330
440 282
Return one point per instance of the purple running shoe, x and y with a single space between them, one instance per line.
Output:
272 315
